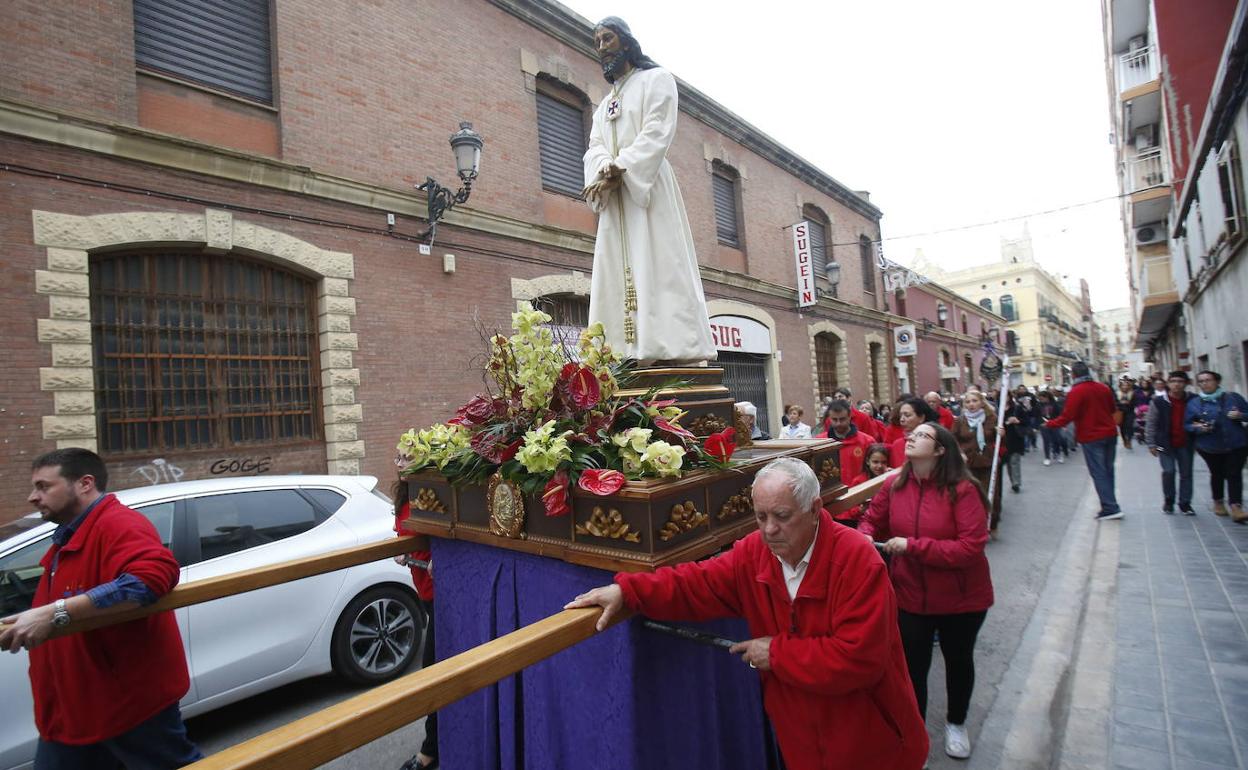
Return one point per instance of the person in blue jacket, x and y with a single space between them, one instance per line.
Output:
1219 421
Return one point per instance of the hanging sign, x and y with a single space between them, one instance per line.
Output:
806 295
896 277
905 341
736 334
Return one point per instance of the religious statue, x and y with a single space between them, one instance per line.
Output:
646 290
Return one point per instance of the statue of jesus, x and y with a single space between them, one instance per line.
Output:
646 289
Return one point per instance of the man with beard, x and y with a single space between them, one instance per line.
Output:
854 445
106 697
646 289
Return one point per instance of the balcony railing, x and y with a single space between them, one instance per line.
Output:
1147 169
1136 68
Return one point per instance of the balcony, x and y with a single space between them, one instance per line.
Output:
1157 298
1147 169
1135 68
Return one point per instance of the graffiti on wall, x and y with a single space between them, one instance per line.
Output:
251 466
159 471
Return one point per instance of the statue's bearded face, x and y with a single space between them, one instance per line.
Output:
611 51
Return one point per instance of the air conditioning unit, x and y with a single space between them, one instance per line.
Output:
1145 137
1136 43
1146 234
1032 368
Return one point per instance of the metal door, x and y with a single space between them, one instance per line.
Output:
745 376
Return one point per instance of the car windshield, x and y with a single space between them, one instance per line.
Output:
14 528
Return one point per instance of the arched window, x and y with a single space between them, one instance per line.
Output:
817 225
1007 308
827 354
986 304
569 315
202 352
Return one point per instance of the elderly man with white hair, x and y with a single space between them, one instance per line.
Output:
750 413
823 617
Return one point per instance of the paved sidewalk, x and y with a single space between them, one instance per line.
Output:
1160 678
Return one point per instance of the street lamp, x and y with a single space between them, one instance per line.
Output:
942 313
466 144
833 272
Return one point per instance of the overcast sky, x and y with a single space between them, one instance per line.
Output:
950 114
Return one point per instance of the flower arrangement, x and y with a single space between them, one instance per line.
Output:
554 419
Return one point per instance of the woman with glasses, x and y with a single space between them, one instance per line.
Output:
932 520
911 413
1218 420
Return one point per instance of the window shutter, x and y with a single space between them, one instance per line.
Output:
724 192
561 145
818 245
222 45
868 264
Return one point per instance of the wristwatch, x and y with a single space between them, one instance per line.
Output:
60 615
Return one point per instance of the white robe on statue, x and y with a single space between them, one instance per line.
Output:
644 220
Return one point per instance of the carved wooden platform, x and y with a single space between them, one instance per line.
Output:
647 524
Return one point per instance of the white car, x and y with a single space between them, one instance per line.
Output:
364 623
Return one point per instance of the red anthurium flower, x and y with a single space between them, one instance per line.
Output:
721 445
673 428
601 482
478 411
555 495
584 388
493 448
661 404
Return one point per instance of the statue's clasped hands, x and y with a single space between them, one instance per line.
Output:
609 179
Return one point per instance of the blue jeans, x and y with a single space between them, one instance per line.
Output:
160 743
1099 455
1176 459
1054 442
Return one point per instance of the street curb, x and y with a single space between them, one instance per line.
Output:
1040 672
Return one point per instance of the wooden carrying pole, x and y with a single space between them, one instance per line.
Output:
206 590
332 732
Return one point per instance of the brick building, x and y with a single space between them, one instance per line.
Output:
202 278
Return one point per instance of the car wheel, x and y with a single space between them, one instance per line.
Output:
377 636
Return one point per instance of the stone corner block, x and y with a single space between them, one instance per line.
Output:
339 395
74 402
334 341
337 359
343 467
335 287
57 282
66 378
218 230
335 378
336 305
63 307
68 426
334 323
68 260
342 431
66 354
57 330
78 443
336 413
344 450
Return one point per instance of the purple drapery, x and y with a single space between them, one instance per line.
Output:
625 699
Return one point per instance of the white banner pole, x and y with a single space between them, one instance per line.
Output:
996 456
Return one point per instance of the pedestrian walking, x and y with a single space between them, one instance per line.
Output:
827 645
1219 421
1091 406
976 432
107 697
933 524
422 580
1053 439
1017 421
1125 417
1167 439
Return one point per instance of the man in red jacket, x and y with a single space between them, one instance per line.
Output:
1090 405
110 696
934 400
823 616
854 444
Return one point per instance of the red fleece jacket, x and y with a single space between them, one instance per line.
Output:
838 693
1091 406
96 685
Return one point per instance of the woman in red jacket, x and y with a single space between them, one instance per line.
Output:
934 523
911 413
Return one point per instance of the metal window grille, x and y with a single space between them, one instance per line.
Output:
875 352
868 264
222 45
197 352
561 145
1007 307
724 192
569 316
827 351
745 376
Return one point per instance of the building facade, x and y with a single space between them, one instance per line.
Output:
1118 352
1046 323
214 251
1173 70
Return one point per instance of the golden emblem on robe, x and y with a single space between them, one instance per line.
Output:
506 506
